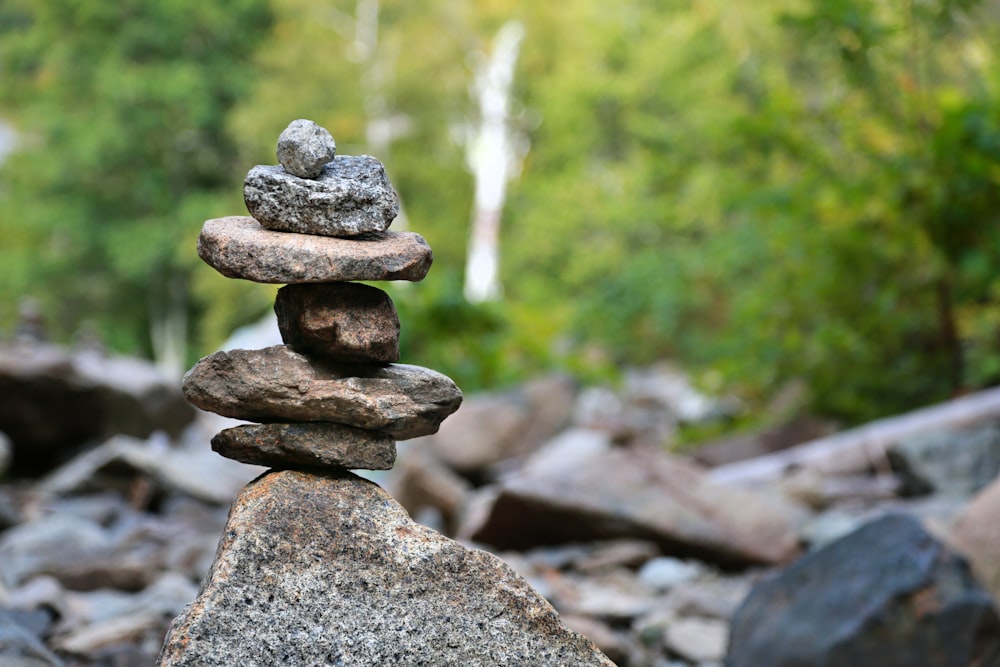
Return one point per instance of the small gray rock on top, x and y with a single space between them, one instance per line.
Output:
352 196
304 148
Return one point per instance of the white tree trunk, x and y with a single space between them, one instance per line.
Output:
494 157
168 326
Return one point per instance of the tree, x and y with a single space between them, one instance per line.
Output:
493 153
123 106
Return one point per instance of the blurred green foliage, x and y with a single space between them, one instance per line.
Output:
792 189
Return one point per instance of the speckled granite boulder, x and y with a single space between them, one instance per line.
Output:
238 247
330 570
350 196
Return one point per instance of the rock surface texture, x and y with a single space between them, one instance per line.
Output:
317 566
351 196
330 570
888 594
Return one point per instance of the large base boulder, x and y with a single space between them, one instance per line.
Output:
329 570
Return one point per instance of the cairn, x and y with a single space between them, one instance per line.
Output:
317 566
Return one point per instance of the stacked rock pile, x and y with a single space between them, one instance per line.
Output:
332 396
318 566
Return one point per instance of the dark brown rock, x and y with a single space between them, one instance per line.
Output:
314 445
327 570
350 196
343 321
238 247
277 384
579 488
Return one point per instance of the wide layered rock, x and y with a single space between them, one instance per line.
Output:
580 487
238 247
888 594
304 148
311 445
351 196
277 384
343 321
326 570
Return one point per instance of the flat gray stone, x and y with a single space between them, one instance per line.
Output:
351 196
315 444
238 247
342 321
277 384
330 570
304 148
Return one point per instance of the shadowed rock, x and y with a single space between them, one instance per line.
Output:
304 148
342 321
888 594
330 570
277 384
238 247
350 196
314 444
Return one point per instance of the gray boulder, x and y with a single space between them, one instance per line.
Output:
888 594
328 570
304 148
278 385
351 196
238 247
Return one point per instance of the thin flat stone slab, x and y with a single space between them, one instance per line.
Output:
343 321
330 570
350 196
238 247
277 384
315 444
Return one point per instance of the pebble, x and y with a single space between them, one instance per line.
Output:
304 148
